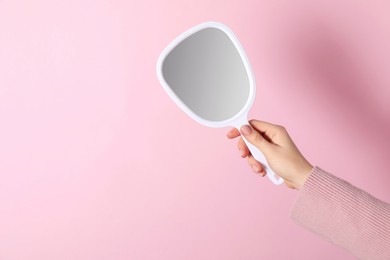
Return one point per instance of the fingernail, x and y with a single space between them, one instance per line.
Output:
246 130
255 168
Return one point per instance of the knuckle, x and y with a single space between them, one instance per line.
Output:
282 129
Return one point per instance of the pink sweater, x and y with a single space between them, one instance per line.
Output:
347 216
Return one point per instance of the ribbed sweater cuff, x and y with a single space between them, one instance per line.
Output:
345 215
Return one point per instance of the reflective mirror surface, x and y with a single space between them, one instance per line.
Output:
207 74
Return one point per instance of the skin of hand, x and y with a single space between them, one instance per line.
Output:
278 148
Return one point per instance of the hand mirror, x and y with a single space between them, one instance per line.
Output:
207 74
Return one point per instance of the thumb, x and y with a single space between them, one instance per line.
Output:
256 138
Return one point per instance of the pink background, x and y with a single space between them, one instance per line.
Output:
96 162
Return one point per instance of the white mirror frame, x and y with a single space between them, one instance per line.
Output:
160 63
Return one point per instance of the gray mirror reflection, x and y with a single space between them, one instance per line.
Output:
207 74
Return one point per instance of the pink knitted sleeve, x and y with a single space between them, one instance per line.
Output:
345 215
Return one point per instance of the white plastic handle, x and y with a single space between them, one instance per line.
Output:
259 156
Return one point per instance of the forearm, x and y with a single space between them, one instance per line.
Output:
344 214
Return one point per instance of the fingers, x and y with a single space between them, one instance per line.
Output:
233 133
273 133
268 129
243 148
264 126
256 166
253 163
244 151
257 139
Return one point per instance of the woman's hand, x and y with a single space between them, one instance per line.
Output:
280 151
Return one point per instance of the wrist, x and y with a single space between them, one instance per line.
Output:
302 176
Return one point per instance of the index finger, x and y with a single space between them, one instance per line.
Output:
233 133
